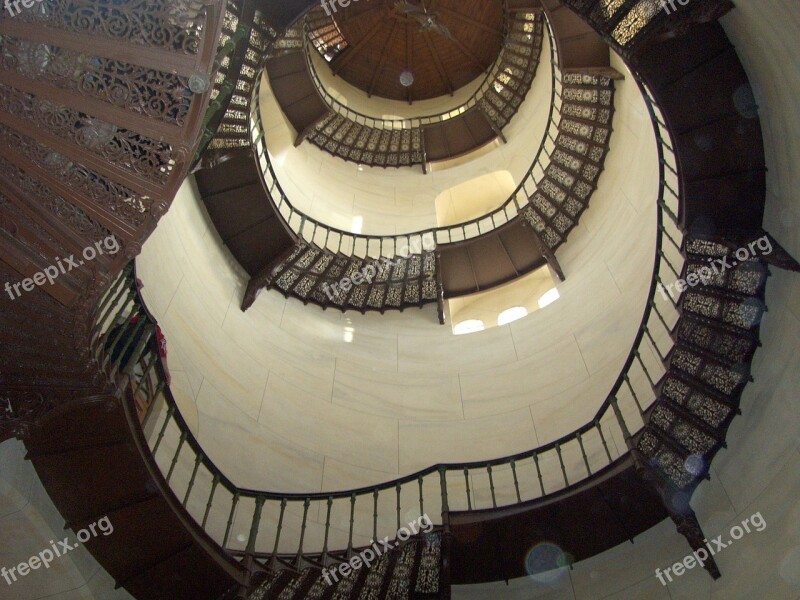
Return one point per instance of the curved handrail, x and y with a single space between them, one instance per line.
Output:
411 122
314 231
582 454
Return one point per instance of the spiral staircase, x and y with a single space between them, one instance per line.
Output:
103 113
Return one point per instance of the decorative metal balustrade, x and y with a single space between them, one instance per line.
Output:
669 409
293 530
247 42
372 141
552 196
525 34
339 241
100 112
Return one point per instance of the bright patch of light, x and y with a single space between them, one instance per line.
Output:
468 326
349 335
279 159
358 224
549 297
511 315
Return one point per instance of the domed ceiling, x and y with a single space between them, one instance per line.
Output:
443 44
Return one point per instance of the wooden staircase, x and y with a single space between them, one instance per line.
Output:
483 263
370 142
239 74
75 407
293 86
324 34
581 147
315 275
235 199
412 570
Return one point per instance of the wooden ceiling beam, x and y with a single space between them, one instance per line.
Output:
384 57
469 20
438 62
469 54
349 18
353 51
409 60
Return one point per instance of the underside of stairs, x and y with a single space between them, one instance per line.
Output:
327 279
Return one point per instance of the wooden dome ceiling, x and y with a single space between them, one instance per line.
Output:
445 44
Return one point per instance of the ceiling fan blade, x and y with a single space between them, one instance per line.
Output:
406 8
442 29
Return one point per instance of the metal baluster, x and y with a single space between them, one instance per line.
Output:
538 471
626 435
197 460
375 515
445 499
603 438
251 540
177 453
660 316
644 368
563 468
673 192
327 530
633 393
516 481
491 486
140 326
170 410
230 519
666 233
306 505
653 342
150 364
583 452
124 291
108 302
469 497
669 264
397 487
669 296
274 561
156 393
352 521
214 485
118 318
421 506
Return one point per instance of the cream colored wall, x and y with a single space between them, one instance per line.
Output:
474 198
394 201
28 524
760 470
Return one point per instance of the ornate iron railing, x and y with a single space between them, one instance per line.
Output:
314 231
102 107
289 528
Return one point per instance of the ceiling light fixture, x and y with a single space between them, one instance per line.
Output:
406 78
